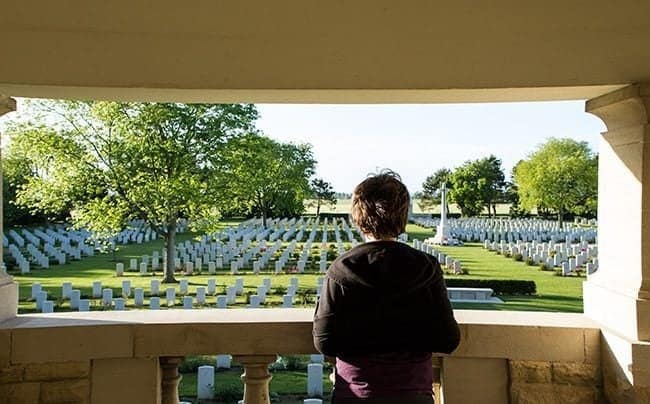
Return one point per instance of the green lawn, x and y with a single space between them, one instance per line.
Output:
554 293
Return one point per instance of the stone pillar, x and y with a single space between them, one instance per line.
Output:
8 288
256 377
170 379
617 296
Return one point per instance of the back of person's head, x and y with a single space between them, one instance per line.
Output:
380 205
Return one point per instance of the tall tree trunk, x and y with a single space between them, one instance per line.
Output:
318 208
560 217
170 244
264 217
494 208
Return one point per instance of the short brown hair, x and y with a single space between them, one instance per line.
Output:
380 205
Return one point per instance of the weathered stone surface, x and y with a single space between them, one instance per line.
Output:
5 348
66 391
576 374
12 374
19 393
57 371
530 372
542 393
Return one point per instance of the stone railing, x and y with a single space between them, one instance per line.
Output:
133 356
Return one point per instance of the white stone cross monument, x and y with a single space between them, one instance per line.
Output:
443 232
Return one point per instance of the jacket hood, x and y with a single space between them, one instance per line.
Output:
392 267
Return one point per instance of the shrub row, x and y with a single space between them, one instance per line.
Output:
499 286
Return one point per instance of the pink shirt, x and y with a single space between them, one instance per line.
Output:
383 375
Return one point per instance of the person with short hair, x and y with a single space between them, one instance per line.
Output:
383 308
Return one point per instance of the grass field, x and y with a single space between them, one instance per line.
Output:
554 293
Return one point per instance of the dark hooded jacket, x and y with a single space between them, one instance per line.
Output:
384 296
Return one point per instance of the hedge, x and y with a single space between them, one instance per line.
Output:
499 286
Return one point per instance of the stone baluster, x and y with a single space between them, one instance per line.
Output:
256 377
170 378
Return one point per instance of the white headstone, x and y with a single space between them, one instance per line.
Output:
84 305
205 383
107 297
154 303
97 289
47 306
75 296
66 289
182 286
170 296
287 301
119 304
212 267
239 285
187 302
222 302
133 264
143 268
36 288
254 301
138 296
126 289
315 380
212 286
200 295
119 269
154 287
40 298
223 361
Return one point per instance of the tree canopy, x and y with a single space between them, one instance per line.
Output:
109 163
561 175
322 193
265 177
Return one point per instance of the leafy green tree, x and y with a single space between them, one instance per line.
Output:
477 184
266 177
431 188
16 172
561 176
323 193
115 162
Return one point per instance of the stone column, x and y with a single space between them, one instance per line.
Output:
256 377
170 379
617 296
8 288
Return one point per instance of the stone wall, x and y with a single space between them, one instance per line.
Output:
533 382
56 382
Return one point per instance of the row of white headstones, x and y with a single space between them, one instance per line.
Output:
569 257
513 230
60 244
234 247
206 378
108 301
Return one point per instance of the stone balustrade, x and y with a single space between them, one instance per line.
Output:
96 357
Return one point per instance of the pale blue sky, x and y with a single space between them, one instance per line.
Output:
350 141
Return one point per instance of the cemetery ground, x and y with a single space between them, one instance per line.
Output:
554 293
